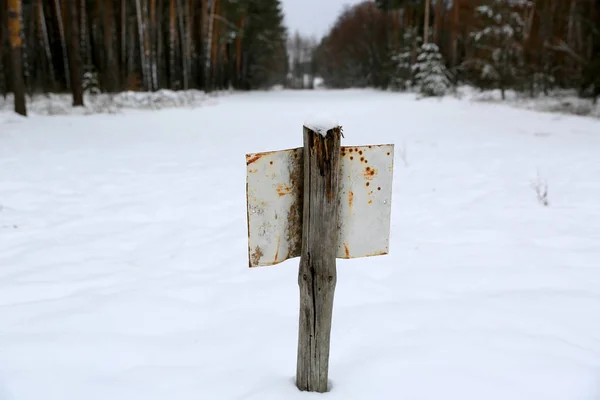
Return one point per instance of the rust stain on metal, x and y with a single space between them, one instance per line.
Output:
256 255
275 201
283 189
277 252
370 173
250 159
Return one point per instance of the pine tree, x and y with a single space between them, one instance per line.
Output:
431 76
499 42
402 60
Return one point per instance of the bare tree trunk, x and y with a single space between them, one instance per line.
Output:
143 51
46 41
3 64
160 67
438 20
124 41
152 46
238 49
426 22
172 40
83 34
63 41
455 27
184 44
215 43
74 54
208 49
16 41
109 45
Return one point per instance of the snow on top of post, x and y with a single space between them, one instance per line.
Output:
321 124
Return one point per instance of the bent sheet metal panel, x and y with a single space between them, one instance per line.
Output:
274 201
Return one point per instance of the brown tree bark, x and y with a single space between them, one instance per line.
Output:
74 54
3 63
455 27
111 75
426 22
63 40
172 41
46 41
14 34
438 21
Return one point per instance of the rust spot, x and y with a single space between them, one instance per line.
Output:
368 183
256 255
366 161
388 153
271 162
362 159
277 252
378 187
283 189
346 250
253 171
360 152
370 173
351 150
370 201
250 159
350 198
370 147
352 158
377 253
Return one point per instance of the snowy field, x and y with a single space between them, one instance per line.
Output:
124 272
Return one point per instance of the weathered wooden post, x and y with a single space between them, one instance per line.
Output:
317 275
318 202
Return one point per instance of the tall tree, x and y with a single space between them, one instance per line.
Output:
74 54
15 38
63 40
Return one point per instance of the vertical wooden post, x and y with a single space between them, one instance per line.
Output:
16 68
317 275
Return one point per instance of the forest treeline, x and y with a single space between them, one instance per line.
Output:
532 46
117 45
527 45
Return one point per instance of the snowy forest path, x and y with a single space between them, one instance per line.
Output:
124 272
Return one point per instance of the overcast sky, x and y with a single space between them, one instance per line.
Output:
313 17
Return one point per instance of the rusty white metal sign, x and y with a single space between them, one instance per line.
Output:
274 200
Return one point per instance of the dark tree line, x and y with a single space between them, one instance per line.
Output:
527 45
117 45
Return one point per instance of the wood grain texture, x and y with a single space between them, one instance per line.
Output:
317 275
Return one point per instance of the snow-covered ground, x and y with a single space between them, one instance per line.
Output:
124 272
